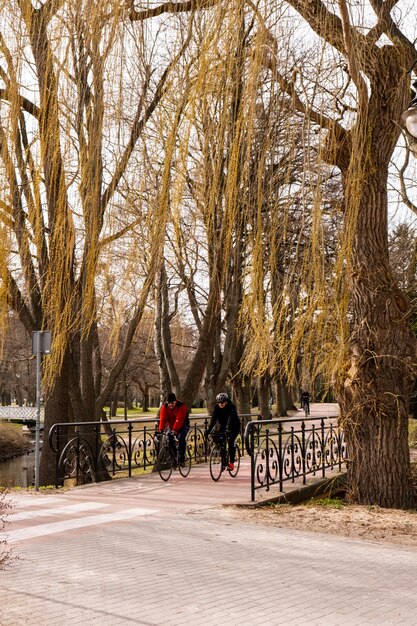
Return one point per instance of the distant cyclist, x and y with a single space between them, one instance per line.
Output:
305 401
225 420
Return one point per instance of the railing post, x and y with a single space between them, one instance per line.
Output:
292 455
330 436
280 458
129 453
195 441
323 470
339 446
57 456
97 429
268 477
77 475
313 441
205 440
145 448
113 445
303 451
252 462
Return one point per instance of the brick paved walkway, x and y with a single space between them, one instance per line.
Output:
139 551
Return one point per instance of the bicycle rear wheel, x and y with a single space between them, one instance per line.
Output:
216 462
233 473
185 469
164 462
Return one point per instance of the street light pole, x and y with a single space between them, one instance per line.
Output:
38 417
41 344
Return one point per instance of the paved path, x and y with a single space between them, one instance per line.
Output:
139 551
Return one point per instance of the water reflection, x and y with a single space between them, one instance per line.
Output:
18 472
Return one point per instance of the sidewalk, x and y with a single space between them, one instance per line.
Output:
140 551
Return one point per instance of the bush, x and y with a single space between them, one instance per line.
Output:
12 442
5 553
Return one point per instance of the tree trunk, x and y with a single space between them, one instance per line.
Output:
57 409
374 393
281 395
115 401
242 392
264 395
145 399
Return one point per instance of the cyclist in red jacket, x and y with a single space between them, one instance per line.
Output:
174 414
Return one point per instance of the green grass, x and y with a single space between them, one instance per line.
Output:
332 503
153 410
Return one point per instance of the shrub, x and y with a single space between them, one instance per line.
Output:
12 442
5 553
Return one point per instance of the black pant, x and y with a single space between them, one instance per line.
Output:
231 440
229 444
182 443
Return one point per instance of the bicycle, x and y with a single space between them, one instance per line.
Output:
166 460
305 407
218 457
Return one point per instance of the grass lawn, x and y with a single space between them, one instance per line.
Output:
138 412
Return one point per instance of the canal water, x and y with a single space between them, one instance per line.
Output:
19 471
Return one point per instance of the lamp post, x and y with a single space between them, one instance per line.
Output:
41 344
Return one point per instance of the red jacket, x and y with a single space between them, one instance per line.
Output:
176 418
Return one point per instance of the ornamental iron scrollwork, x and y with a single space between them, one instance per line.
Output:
76 459
287 450
90 451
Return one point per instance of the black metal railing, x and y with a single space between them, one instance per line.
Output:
283 450
94 451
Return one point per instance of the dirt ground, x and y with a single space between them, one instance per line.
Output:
335 517
357 522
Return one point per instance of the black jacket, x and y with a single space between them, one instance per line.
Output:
225 418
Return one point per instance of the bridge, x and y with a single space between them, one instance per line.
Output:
19 414
279 452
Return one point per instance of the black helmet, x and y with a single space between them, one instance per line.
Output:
222 397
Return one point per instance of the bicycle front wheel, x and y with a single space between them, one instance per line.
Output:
233 473
216 463
185 469
164 463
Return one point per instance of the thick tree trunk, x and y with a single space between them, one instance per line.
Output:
57 409
374 393
281 396
264 395
242 392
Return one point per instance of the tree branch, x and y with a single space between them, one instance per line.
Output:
351 57
18 304
329 27
386 25
138 126
171 7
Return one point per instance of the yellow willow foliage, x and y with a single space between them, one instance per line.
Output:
4 287
231 161
291 308
87 223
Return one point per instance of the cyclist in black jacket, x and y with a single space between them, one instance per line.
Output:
225 420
